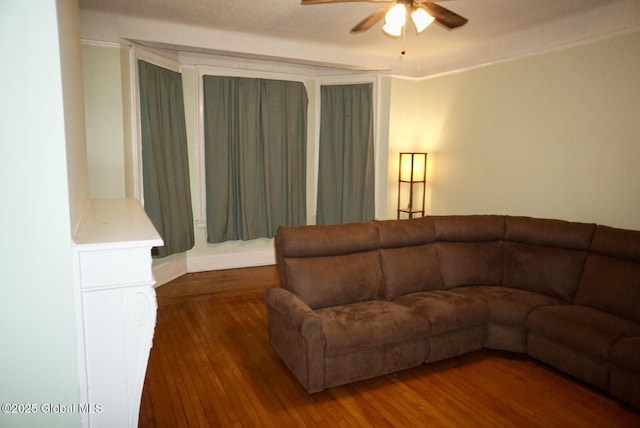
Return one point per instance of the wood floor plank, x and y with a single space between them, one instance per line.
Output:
211 365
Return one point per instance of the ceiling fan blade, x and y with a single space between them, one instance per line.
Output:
310 2
370 20
443 15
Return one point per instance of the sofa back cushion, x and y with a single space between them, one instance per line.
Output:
469 228
611 278
408 256
469 249
335 280
470 263
330 265
545 256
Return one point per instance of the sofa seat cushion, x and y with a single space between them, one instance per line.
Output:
507 306
372 324
626 354
582 328
445 310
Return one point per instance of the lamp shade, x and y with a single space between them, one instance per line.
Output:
412 166
412 182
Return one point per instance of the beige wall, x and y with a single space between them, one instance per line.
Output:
43 188
555 135
105 119
407 133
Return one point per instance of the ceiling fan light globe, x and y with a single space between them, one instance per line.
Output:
421 19
396 16
391 30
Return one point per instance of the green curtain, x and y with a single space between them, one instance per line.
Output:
346 177
255 155
165 164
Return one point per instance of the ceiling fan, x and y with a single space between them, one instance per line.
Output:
422 14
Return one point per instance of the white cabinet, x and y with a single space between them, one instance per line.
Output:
117 309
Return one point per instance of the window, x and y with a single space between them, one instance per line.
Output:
165 166
346 177
255 137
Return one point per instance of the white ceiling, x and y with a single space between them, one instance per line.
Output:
285 30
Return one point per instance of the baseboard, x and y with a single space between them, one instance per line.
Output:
175 266
168 270
231 260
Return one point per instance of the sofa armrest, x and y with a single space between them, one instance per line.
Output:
296 334
294 310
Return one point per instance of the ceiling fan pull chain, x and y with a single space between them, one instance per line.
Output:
404 39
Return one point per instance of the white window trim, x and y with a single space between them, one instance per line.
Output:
351 79
206 70
136 54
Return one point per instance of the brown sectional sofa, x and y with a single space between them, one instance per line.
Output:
365 299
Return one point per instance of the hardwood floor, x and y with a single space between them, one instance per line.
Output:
211 365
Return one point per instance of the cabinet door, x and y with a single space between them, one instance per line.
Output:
119 325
